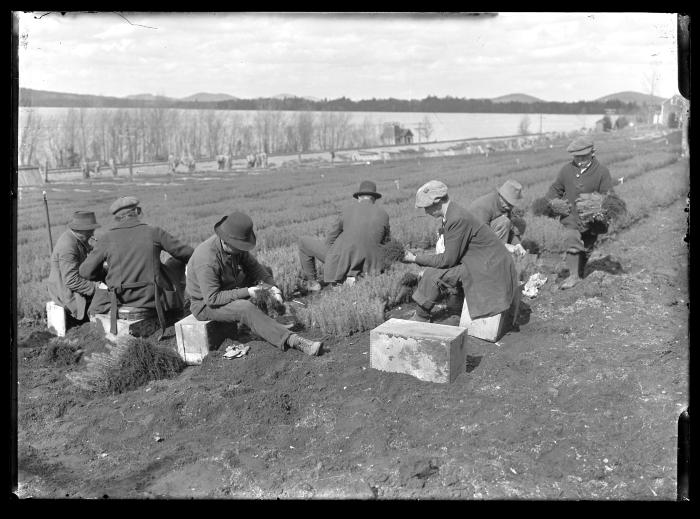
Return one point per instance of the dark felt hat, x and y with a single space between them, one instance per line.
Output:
236 230
581 145
367 187
125 202
83 221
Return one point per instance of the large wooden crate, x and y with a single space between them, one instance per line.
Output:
428 351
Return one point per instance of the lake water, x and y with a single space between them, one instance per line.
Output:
445 126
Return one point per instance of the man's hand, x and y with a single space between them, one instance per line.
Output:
253 291
101 286
516 249
277 294
409 257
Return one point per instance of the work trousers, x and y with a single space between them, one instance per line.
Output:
436 283
310 250
577 241
245 312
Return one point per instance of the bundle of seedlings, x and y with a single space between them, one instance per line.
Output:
519 223
614 207
591 216
394 251
531 246
62 352
265 300
407 285
560 206
540 207
129 364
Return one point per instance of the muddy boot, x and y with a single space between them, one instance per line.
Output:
421 315
300 343
454 303
312 286
572 262
582 261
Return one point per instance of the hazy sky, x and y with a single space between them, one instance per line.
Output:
553 56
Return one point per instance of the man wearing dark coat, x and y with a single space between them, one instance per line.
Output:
66 287
496 210
222 275
474 257
354 244
135 275
584 174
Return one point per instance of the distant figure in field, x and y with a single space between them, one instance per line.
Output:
584 174
250 159
353 245
135 275
66 287
496 210
88 167
222 161
474 261
173 163
222 275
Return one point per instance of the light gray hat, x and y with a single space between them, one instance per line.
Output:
430 192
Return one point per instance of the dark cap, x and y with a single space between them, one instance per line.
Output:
125 202
83 221
581 145
367 187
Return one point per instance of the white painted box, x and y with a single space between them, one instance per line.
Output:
489 328
195 338
56 319
428 351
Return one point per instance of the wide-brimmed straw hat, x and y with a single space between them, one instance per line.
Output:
236 230
367 187
511 191
83 221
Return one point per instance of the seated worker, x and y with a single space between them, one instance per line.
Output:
495 210
66 287
135 275
353 245
474 258
222 275
583 174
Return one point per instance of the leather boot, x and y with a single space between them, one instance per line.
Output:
307 346
572 262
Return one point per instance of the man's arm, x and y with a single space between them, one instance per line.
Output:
335 231
173 246
255 270
557 189
455 233
606 184
69 264
91 268
210 286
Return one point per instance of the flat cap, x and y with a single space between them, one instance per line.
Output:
125 202
430 192
581 145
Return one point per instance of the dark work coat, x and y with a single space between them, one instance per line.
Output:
66 287
570 183
489 278
132 252
355 242
215 277
488 207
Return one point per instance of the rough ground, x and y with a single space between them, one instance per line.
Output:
581 403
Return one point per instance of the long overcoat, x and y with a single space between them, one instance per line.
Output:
66 286
355 242
132 250
489 278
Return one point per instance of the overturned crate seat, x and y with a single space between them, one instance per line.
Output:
428 351
196 338
489 328
56 319
132 321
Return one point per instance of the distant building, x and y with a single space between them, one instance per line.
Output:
674 111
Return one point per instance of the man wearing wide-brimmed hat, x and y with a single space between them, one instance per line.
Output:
584 174
135 275
222 275
496 210
474 258
66 287
353 244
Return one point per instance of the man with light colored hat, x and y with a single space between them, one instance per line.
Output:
353 245
474 259
135 275
66 287
222 275
584 174
496 210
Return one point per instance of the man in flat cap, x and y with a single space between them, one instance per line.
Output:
474 258
222 275
66 287
584 174
352 246
135 275
496 210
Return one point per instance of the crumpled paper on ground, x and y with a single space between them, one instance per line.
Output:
236 351
533 284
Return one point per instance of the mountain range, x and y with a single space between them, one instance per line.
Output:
31 97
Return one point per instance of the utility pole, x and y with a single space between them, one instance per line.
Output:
540 123
131 154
